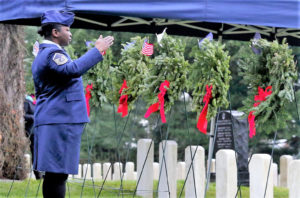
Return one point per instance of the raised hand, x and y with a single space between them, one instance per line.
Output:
102 44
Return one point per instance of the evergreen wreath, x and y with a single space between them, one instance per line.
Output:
99 76
210 68
133 67
169 65
274 66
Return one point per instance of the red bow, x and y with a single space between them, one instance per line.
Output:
88 96
161 101
202 121
262 96
123 106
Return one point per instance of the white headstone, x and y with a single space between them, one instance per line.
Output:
155 170
28 165
195 183
294 179
118 171
258 171
129 171
167 159
213 166
145 167
107 169
33 177
275 174
283 166
79 175
135 175
97 171
180 171
87 171
226 174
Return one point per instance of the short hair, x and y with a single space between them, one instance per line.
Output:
46 29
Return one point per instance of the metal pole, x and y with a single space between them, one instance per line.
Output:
210 148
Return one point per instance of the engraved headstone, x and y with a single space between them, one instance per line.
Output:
232 133
224 135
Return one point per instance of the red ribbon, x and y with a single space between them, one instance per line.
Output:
262 96
123 106
160 104
103 53
202 121
88 96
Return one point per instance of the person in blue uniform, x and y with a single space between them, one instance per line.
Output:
60 113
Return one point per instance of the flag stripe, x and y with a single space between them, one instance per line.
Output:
147 49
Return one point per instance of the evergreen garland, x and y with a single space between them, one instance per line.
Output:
99 76
274 66
133 67
210 67
169 65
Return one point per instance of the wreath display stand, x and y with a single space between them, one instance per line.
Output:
209 83
270 76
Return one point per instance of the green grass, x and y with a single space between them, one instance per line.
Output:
110 189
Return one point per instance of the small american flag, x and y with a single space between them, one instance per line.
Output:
35 49
147 48
129 45
209 36
255 50
89 44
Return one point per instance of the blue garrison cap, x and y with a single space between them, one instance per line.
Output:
56 16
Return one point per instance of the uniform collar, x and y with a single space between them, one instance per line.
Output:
51 42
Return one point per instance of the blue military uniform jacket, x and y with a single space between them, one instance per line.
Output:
58 84
60 108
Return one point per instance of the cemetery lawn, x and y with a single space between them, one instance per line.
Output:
110 189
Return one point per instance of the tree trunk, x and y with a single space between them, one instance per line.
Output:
13 143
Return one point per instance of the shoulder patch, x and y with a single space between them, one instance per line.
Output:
59 58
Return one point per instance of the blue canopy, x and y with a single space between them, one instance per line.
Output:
232 19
